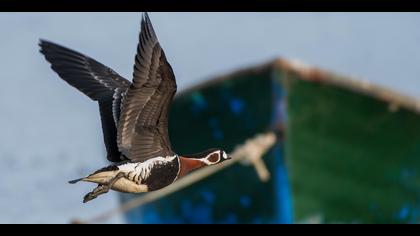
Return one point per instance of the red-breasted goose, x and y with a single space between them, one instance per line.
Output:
134 116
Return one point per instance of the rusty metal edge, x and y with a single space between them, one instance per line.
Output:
317 75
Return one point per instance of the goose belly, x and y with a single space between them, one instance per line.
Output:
152 174
128 186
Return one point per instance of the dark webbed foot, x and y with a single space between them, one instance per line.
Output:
88 197
101 189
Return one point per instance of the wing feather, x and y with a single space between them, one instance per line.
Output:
142 130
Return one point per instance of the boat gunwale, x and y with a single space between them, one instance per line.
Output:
382 93
314 74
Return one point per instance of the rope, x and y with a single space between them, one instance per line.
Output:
248 153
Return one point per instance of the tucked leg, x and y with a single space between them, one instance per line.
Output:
115 179
101 189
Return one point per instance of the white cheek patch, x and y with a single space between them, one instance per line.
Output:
224 155
208 162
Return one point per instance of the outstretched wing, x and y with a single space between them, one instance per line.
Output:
95 80
143 127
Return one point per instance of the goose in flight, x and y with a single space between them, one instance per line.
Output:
134 117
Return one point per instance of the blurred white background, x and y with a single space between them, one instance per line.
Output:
52 133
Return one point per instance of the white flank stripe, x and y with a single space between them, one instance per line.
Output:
143 169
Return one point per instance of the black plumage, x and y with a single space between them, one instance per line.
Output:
134 115
95 80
